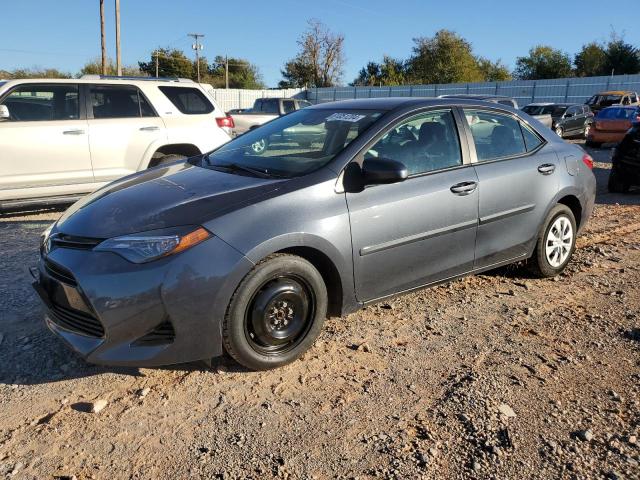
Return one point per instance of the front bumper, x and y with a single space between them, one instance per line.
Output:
114 312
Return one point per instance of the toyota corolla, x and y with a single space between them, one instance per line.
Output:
248 250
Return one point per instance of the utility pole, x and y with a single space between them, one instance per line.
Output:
103 45
118 54
226 71
197 47
157 62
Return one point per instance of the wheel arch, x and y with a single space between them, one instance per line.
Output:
186 149
574 205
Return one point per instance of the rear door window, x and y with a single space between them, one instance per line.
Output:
188 100
495 135
126 101
288 106
37 103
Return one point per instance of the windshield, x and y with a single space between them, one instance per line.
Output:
295 144
553 110
604 100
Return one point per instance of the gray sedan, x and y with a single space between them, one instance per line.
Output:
248 253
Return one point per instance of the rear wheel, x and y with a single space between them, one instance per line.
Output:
616 183
590 143
559 131
556 243
276 313
587 130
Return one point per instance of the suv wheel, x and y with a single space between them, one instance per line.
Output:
559 131
556 243
616 184
587 129
276 313
260 146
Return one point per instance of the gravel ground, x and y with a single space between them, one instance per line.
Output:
494 376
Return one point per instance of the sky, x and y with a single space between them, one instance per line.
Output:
65 34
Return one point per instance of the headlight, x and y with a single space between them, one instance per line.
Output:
147 246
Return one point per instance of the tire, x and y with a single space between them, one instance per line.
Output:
587 129
276 313
559 131
592 144
549 264
171 158
615 183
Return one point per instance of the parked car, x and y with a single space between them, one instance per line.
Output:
501 100
61 139
625 161
608 99
611 125
251 252
567 119
265 110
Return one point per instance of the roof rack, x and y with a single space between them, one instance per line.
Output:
148 79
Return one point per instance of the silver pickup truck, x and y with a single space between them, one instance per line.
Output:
263 111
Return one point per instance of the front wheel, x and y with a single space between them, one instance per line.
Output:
276 313
559 131
587 130
555 244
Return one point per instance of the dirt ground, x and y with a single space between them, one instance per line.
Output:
494 376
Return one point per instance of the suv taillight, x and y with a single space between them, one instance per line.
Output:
588 161
225 122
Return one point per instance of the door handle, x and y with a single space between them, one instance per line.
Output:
73 132
547 168
149 129
464 188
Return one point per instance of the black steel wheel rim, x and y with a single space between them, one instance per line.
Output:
279 315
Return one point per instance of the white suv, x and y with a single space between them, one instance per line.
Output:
60 139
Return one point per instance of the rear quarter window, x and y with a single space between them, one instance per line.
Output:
187 100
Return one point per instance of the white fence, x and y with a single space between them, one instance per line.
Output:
229 99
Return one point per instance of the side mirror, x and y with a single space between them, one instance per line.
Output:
4 112
379 171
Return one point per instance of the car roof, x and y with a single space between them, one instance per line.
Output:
108 80
392 103
615 92
546 104
475 96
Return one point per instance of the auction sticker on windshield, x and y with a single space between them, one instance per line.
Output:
345 117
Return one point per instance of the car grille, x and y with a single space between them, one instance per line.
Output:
69 241
59 273
76 321
161 335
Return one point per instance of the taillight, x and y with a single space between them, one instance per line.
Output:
225 122
588 161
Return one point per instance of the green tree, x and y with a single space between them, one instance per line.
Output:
242 74
94 67
444 58
493 71
320 60
389 73
171 63
621 57
543 62
35 72
591 60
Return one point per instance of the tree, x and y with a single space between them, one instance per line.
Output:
94 67
621 57
319 62
242 74
493 71
444 58
35 72
171 63
591 60
390 72
543 62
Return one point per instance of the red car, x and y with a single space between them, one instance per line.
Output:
611 124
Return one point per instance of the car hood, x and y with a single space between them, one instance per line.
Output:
175 195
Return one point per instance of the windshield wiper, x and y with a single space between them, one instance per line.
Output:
235 167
